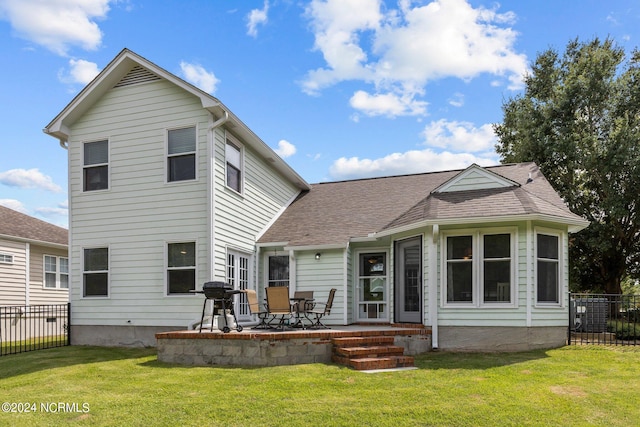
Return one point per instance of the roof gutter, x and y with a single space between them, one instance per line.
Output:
574 225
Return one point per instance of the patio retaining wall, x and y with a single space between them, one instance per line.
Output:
269 349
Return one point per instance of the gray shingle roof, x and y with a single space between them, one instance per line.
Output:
332 213
21 226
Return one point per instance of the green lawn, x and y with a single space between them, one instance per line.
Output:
572 386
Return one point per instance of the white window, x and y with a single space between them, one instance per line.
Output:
479 268
181 268
181 154
548 287
233 158
372 286
95 280
6 259
278 270
56 272
96 166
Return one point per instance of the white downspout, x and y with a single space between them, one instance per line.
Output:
345 315
211 190
433 284
27 275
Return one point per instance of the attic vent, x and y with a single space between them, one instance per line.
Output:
137 75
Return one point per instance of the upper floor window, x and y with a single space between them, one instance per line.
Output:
96 166
181 268
233 157
95 277
6 259
479 268
548 268
56 272
181 154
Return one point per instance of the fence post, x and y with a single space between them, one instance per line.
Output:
68 323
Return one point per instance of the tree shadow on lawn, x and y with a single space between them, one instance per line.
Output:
59 357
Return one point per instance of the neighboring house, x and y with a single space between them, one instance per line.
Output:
169 189
33 261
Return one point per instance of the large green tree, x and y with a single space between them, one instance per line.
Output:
578 118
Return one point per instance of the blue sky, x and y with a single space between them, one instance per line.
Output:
341 89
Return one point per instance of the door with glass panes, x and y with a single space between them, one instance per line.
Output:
408 283
239 267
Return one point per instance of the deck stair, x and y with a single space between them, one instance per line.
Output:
368 353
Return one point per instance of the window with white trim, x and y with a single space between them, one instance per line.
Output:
96 165
181 268
56 272
548 268
95 277
181 154
479 268
233 159
6 259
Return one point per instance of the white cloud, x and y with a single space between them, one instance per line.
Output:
400 51
387 104
80 71
285 149
16 205
414 161
31 178
198 76
457 100
459 136
257 17
57 25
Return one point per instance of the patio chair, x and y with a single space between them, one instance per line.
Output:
320 310
278 304
255 309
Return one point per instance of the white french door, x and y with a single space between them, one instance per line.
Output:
239 268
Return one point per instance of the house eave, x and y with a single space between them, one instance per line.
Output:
34 242
573 225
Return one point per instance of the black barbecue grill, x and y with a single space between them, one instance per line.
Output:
221 295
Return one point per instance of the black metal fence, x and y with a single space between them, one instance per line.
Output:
605 319
33 327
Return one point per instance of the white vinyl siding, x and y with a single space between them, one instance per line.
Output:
13 276
38 294
142 212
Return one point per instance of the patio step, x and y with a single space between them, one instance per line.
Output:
368 353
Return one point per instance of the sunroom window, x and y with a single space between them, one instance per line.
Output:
479 268
548 268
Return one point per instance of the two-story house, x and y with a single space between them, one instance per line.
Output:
169 189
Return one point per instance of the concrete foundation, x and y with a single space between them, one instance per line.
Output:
118 336
500 339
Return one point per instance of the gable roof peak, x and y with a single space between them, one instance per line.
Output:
475 177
